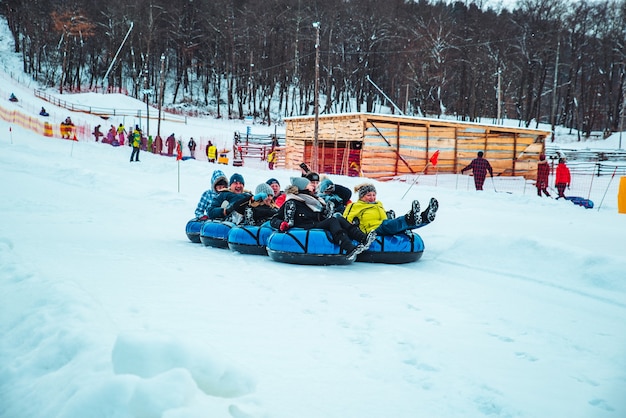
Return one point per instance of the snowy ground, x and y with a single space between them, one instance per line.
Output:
516 309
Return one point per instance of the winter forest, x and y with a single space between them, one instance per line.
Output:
543 61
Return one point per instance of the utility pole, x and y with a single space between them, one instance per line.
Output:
554 84
315 156
161 87
499 98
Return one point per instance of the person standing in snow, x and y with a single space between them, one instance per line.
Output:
271 159
370 215
121 133
170 143
543 171
136 143
192 147
211 152
563 178
479 167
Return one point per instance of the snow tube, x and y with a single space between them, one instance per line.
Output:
305 246
394 249
249 239
580 201
215 233
193 230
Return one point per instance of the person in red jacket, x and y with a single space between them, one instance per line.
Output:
563 178
543 171
479 167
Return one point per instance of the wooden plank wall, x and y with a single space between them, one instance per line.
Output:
400 145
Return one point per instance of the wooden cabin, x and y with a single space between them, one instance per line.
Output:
384 146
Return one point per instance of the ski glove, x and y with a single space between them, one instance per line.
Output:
203 218
260 196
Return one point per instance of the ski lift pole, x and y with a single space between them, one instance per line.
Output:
607 188
367 77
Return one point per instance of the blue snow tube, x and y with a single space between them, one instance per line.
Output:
305 246
401 248
215 233
193 230
249 239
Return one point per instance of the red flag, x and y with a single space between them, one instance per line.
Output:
179 151
434 158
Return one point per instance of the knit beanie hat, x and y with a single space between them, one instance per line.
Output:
312 176
326 185
300 182
364 189
264 188
236 177
272 181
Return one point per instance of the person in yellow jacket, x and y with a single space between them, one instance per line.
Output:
211 152
271 159
371 215
136 143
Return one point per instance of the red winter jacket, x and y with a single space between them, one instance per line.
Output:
562 174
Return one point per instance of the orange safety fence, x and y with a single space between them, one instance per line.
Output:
44 128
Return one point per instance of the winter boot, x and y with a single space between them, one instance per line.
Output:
429 214
414 217
356 234
344 242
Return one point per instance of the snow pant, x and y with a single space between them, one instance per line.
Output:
542 188
134 154
560 187
342 232
479 180
397 225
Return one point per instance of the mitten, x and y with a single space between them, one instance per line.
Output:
284 226
260 196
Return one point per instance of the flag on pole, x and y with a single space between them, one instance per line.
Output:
179 151
434 158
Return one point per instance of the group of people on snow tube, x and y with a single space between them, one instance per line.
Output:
310 203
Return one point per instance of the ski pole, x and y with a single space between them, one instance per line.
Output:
415 181
607 188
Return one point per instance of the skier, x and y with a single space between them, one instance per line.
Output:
479 167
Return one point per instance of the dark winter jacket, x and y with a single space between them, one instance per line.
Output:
543 171
233 202
301 209
479 167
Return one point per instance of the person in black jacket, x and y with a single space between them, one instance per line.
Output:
302 209
261 207
231 202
